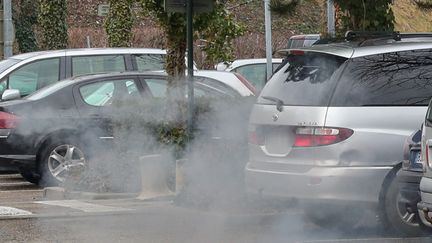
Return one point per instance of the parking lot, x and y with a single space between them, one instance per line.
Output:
111 220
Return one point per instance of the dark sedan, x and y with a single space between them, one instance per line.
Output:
409 177
48 134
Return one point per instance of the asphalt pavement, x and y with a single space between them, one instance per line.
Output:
25 216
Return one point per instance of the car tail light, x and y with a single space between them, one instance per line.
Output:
256 137
7 120
296 52
320 136
428 160
246 83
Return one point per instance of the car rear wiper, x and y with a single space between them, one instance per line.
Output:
279 102
372 105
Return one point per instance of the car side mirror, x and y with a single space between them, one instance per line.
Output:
10 94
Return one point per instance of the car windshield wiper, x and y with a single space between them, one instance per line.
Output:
279 102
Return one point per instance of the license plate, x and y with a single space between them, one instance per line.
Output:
415 157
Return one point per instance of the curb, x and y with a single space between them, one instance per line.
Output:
60 193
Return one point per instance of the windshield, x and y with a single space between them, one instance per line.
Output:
47 90
5 64
306 79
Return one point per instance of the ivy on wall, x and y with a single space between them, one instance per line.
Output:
119 22
283 6
365 15
427 4
52 20
25 18
217 28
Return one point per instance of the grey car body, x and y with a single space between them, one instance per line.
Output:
330 125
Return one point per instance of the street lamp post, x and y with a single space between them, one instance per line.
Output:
268 38
191 103
331 30
7 28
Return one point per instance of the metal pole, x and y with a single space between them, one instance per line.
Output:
88 41
268 38
190 73
7 28
331 30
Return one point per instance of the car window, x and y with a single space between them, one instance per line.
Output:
48 90
218 87
7 63
105 93
35 75
157 87
307 79
397 78
255 73
82 65
295 43
150 62
202 88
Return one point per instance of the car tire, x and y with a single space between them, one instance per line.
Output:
398 217
61 159
30 175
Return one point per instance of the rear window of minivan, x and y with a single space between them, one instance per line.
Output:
304 79
386 79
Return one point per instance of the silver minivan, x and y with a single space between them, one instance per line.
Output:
425 206
328 128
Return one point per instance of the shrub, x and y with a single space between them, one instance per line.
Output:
52 20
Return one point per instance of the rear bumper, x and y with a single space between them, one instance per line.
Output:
409 187
424 210
333 184
425 206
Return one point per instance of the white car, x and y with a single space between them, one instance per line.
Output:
254 70
29 72
233 80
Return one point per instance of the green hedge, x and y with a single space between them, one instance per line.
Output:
118 25
52 19
24 18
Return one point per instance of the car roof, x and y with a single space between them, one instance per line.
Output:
88 51
349 50
305 37
228 78
242 62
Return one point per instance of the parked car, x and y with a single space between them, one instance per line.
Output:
234 80
425 206
254 70
329 127
297 41
31 71
47 133
409 177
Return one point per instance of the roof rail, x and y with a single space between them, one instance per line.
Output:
416 35
353 35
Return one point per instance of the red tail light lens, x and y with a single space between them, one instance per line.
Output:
7 120
256 137
246 83
311 136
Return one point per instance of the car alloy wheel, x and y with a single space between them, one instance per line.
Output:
407 214
66 161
